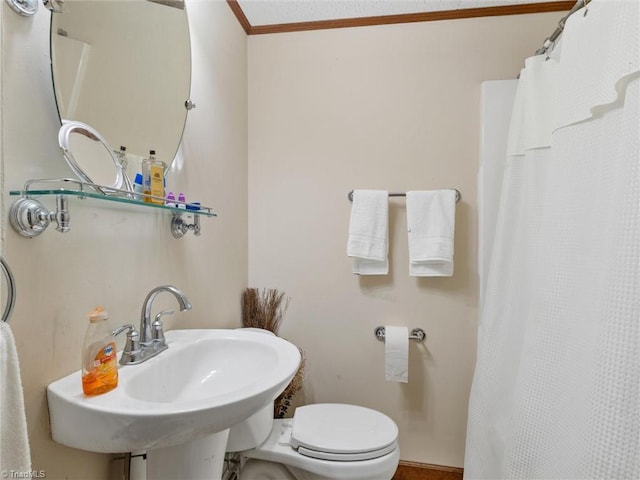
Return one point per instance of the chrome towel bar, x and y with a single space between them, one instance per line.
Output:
458 195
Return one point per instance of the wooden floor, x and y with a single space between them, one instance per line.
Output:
422 471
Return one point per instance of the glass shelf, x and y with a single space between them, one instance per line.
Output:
204 211
30 218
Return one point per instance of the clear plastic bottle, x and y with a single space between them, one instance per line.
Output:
99 365
122 157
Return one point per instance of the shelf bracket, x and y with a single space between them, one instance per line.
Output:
30 218
179 226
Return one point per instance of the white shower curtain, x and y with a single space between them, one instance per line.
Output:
556 392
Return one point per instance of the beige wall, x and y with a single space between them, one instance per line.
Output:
114 256
395 108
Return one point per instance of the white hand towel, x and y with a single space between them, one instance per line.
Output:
431 222
368 242
14 442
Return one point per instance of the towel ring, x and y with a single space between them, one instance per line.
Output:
11 290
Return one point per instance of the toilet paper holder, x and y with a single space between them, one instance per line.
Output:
417 334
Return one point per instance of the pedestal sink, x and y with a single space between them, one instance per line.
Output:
179 403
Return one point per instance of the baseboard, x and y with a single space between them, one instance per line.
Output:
426 471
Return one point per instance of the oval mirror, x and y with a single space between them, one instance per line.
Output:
90 156
124 67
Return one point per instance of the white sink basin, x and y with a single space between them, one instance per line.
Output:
207 381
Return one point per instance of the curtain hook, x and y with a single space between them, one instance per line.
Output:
586 7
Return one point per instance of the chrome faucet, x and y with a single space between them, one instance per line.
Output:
150 341
145 316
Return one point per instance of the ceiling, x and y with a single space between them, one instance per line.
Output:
277 12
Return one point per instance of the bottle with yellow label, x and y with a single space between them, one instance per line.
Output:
153 178
99 365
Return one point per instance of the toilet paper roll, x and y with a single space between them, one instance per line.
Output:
396 354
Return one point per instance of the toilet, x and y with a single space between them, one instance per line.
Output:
327 441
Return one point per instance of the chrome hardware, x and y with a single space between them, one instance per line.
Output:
142 346
189 105
179 226
397 194
156 327
145 316
56 6
62 216
25 8
417 334
30 218
131 354
150 341
550 41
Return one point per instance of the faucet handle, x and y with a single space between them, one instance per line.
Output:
156 327
131 350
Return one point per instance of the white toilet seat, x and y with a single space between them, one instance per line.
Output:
347 457
342 433
378 463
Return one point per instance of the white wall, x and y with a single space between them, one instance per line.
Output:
390 107
114 256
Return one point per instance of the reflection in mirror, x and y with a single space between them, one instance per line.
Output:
90 156
124 67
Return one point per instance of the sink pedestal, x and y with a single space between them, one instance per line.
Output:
196 460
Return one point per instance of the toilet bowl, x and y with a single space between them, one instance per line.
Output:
322 442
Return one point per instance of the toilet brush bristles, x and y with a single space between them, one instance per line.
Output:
263 308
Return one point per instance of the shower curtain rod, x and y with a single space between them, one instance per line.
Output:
549 41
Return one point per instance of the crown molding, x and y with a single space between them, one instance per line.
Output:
395 19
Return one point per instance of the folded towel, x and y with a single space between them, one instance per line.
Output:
368 242
14 452
430 223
